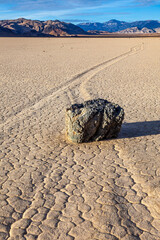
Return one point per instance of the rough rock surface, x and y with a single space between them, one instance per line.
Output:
93 120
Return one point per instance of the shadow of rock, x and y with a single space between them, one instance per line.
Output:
139 129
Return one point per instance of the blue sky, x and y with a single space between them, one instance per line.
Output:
76 11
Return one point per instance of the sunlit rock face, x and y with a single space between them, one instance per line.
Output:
93 120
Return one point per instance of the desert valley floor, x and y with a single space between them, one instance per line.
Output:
52 189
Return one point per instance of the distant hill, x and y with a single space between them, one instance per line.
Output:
117 26
137 30
36 28
96 32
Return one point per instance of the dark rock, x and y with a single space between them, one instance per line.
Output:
93 120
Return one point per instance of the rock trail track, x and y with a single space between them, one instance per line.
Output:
53 189
78 80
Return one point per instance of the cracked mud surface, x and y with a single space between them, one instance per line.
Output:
53 189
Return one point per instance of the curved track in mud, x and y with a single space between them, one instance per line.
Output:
52 189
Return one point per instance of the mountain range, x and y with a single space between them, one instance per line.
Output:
35 28
117 26
22 27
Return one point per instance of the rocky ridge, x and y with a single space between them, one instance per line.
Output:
137 30
36 28
116 26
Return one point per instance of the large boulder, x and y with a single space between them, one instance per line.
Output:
93 120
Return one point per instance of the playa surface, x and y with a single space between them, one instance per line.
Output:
52 189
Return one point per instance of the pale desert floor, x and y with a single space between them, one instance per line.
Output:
52 189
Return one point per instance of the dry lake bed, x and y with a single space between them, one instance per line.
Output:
52 189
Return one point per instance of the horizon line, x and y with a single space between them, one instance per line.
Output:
77 20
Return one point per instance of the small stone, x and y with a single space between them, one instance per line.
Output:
93 120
